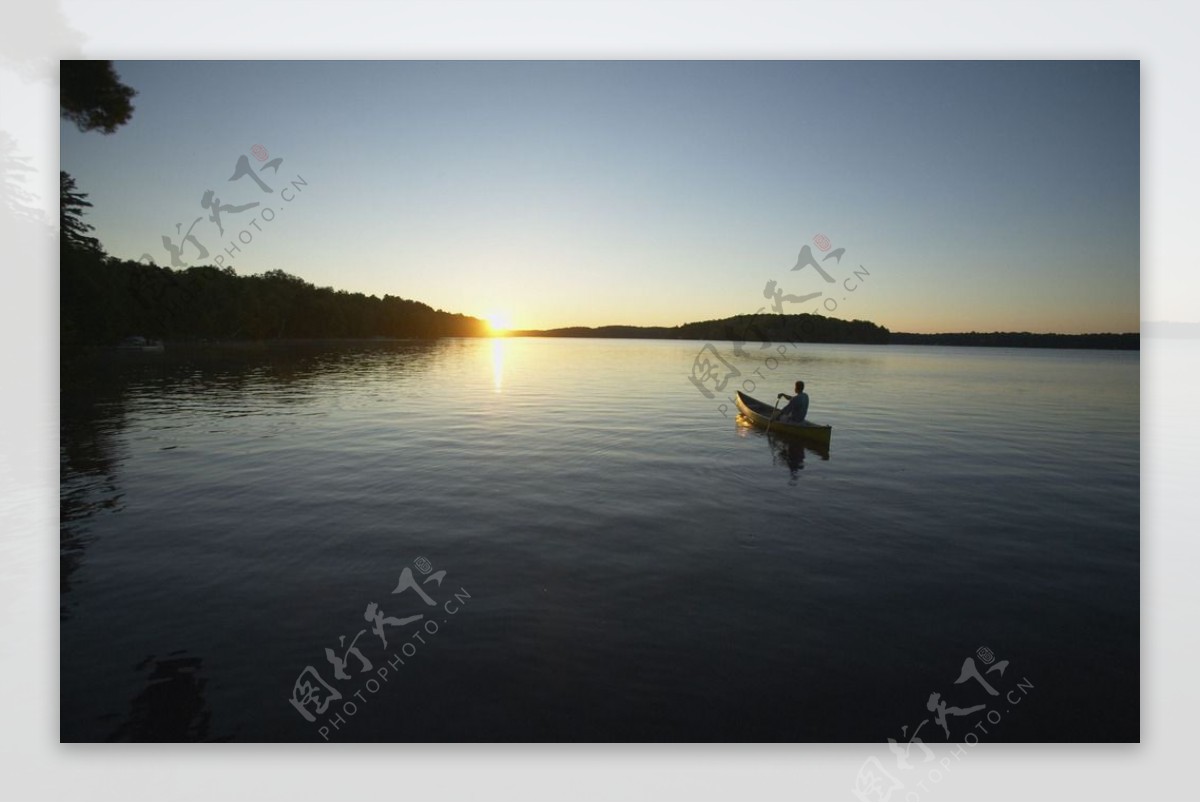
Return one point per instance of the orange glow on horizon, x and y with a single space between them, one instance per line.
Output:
499 323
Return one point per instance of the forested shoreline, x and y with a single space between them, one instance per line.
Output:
1111 341
803 328
806 328
104 300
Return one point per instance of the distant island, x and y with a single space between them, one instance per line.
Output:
807 328
803 328
1123 341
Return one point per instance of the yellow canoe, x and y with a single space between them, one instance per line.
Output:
759 414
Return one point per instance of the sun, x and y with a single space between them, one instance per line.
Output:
499 322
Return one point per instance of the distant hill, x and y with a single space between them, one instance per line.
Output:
804 328
807 328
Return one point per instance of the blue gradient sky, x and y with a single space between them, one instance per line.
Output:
979 195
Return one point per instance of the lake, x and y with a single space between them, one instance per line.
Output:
597 551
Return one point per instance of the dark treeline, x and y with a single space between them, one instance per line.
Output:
819 329
804 328
1104 340
104 299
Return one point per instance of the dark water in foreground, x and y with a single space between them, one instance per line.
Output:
622 561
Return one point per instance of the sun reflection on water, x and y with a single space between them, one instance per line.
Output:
498 347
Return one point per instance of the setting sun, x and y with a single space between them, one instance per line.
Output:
499 322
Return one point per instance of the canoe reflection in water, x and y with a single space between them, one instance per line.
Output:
789 451
786 450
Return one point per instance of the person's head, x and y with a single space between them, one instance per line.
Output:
799 386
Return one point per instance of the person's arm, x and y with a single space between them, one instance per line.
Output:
778 412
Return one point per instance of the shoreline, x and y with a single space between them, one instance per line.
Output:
1119 342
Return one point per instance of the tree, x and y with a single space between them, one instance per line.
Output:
92 96
72 228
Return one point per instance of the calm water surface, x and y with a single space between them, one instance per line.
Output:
639 565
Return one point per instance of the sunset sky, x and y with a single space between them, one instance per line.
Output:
977 195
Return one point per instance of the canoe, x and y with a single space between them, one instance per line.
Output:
759 414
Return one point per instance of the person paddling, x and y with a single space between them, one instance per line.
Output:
796 409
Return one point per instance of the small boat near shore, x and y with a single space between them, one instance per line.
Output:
759 414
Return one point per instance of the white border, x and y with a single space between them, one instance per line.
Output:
1162 35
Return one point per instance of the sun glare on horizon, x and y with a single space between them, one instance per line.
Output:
499 322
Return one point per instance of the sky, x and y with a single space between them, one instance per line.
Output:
967 196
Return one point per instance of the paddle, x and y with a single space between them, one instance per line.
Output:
772 421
